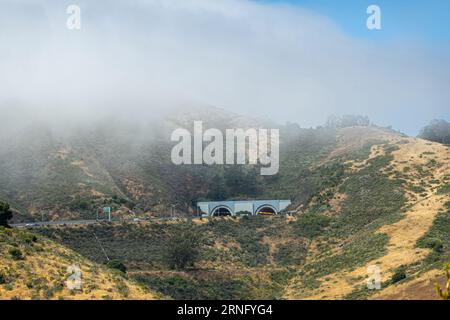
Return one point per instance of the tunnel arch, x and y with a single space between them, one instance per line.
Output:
221 211
266 209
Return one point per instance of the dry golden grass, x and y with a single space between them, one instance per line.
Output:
375 151
354 138
403 235
42 273
420 288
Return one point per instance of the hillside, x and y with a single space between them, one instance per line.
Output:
363 196
32 267
421 169
71 172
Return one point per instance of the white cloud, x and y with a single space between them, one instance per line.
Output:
275 61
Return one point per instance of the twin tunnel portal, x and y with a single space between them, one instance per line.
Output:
236 208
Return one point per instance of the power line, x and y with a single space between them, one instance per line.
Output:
103 249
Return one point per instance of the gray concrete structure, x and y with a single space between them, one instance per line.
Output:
253 207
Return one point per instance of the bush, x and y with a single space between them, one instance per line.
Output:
28 238
15 253
399 275
447 205
117 265
445 189
217 286
434 244
291 254
79 204
5 214
182 250
312 225
2 278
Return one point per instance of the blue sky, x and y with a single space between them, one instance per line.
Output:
425 23
425 20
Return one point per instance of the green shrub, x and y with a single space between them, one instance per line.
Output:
182 250
28 238
444 189
16 254
217 286
2 278
447 205
437 239
417 189
79 204
5 214
116 265
399 275
291 254
434 244
311 225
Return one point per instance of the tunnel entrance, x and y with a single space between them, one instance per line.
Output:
266 211
221 212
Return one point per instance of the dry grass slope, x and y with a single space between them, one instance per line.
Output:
424 166
36 268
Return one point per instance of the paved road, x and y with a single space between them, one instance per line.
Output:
87 222
83 222
53 223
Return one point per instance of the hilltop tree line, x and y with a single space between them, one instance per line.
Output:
437 131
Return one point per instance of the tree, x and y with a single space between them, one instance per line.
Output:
242 181
399 275
117 264
437 131
182 250
5 214
218 189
